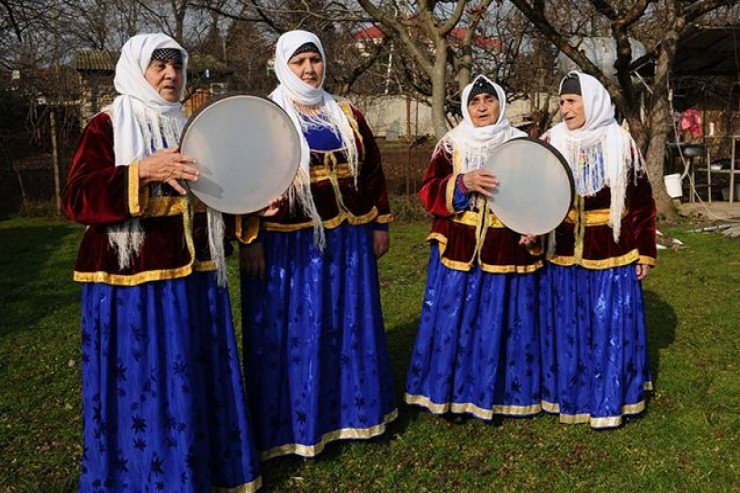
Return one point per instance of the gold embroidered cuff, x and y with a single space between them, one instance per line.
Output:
137 196
247 228
385 218
646 260
537 248
450 192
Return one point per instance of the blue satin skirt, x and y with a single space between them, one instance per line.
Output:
594 348
163 402
315 356
477 349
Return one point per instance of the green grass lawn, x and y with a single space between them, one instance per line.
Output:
688 439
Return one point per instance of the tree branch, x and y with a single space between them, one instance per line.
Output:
445 29
402 32
605 9
697 9
13 22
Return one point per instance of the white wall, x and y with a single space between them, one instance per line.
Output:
387 115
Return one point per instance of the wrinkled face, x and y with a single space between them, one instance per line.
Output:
165 76
572 111
309 67
484 110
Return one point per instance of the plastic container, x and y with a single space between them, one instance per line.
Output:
673 185
726 193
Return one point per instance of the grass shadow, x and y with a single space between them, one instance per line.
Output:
661 329
37 273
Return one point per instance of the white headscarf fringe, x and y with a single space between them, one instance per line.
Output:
301 198
600 153
125 239
144 122
216 244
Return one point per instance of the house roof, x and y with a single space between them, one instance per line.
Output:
705 51
105 61
374 33
95 60
709 51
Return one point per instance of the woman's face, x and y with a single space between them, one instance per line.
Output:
309 67
484 110
572 111
165 76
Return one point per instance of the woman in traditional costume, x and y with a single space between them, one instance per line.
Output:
315 356
594 348
163 402
477 348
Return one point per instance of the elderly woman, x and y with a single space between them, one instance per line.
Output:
163 403
315 356
477 349
594 347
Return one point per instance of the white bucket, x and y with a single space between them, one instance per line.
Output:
673 185
726 193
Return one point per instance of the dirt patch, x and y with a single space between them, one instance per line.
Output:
404 166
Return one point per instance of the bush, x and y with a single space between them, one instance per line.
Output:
39 208
407 208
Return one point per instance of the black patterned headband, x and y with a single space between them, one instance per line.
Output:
571 85
481 86
306 48
167 54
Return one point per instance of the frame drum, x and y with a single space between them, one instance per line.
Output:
247 150
535 190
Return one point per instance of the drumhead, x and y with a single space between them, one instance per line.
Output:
535 190
247 150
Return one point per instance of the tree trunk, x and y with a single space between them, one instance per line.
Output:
655 157
439 92
55 159
660 118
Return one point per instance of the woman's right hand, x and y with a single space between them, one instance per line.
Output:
252 260
168 166
481 181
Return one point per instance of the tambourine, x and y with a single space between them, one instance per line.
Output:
536 187
247 150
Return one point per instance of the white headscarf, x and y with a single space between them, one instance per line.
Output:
599 152
142 119
144 122
291 91
470 144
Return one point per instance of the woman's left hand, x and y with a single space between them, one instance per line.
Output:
271 209
527 240
642 271
381 242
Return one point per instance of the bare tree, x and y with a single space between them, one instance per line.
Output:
424 28
667 20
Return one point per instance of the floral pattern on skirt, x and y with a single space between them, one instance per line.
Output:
594 346
477 347
163 402
315 356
